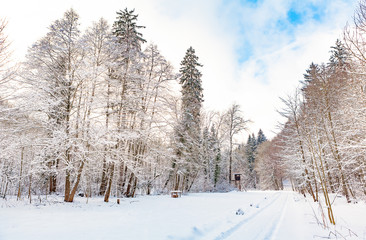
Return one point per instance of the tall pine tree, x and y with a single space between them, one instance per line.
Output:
261 137
251 151
188 131
192 96
217 155
126 30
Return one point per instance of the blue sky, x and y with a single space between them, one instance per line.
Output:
290 16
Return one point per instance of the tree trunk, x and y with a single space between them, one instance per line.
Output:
73 191
230 158
361 177
67 186
121 179
323 180
177 182
53 177
306 172
134 187
20 174
108 192
104 180
129 185
30 189
6 189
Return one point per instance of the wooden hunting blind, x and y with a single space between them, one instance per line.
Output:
237 181
237 177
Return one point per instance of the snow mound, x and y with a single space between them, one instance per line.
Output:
239 212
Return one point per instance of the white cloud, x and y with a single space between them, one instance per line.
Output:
280 57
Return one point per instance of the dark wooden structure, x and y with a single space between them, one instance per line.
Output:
237 180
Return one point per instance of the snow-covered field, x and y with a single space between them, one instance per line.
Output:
267 215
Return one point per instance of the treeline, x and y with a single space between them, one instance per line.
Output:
97 113
321 147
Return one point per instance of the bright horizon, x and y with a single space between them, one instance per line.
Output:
253 52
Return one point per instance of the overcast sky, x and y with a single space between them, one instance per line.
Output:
253 51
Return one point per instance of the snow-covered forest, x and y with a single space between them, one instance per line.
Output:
101 113
321 146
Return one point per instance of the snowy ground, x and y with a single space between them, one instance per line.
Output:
267 215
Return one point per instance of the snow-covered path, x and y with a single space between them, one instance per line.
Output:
274 215
267 215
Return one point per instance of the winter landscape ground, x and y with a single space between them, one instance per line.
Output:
267 215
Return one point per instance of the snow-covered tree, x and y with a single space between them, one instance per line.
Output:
53 64
188 131
251 153
123 93
268 166
261 137
5 72
235 123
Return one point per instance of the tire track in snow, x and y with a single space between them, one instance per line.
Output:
267 224
271 234
235 228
